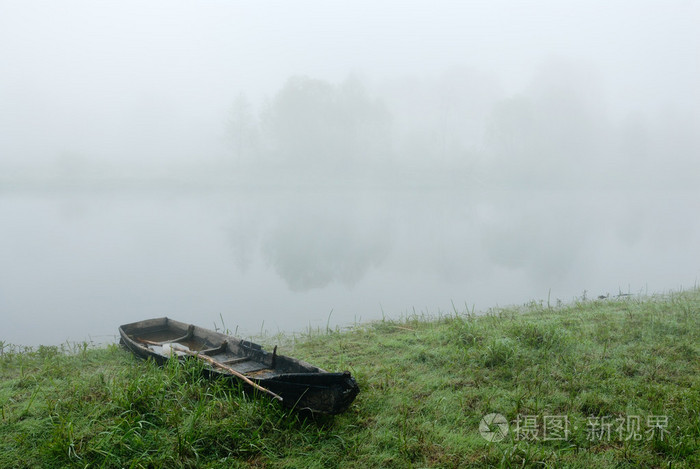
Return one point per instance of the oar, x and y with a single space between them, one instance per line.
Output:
213 362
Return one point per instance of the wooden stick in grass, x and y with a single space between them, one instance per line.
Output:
213 362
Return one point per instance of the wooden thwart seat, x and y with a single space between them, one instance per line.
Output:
233 361
216 350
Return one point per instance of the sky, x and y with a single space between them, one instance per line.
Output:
84 74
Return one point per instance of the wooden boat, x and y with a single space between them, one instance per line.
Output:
295 383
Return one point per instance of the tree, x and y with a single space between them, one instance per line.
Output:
312 123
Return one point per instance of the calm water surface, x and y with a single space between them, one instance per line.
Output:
76 264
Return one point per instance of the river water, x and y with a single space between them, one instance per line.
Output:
77 263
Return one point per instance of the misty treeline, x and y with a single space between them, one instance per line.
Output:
566 127
315 124
562 129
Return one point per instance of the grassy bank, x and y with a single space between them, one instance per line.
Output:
611 383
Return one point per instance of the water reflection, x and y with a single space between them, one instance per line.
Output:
75 265
333 239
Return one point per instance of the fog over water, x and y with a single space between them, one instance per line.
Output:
301 164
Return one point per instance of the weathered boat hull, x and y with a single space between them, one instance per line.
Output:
297 384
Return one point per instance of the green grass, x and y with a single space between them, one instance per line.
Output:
425 385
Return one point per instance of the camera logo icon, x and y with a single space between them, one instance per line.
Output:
493 427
